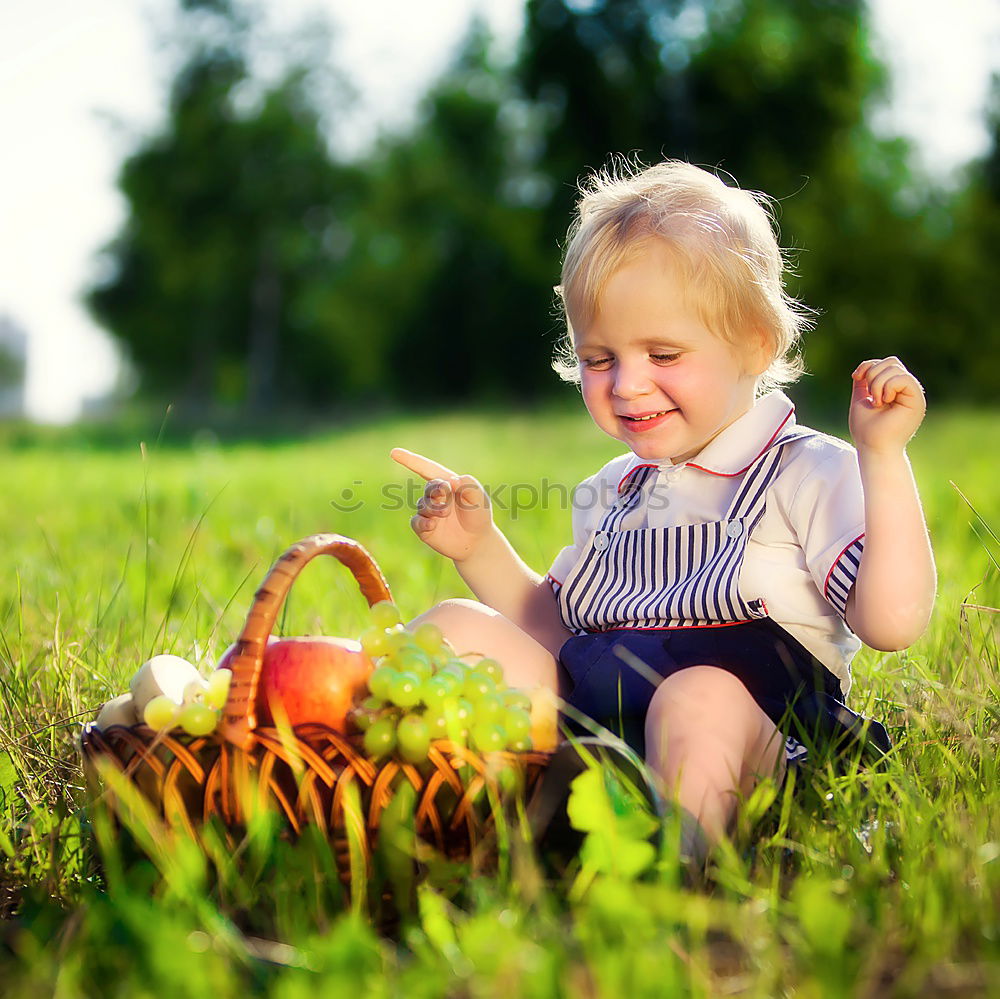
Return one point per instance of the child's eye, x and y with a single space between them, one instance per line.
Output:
664 358
596 363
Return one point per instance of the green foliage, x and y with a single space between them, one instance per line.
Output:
974 242
617 828
233 217
445 290
257 269
780 96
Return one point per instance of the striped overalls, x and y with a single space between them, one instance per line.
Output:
669 577
670 598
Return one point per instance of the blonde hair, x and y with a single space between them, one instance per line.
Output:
723 239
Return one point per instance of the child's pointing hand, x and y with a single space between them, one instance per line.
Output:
887 405
453 515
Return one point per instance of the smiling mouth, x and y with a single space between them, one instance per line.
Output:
643 419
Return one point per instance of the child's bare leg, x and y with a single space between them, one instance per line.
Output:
709 742
472 627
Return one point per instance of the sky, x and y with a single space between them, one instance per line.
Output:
80 82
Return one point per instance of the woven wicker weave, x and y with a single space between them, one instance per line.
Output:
305 774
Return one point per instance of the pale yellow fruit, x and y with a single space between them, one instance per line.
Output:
544 719
163 675
118 711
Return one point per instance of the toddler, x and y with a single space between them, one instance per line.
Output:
741 557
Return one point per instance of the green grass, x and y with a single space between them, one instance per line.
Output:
868 884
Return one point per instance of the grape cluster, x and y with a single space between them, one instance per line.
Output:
420 691
198 713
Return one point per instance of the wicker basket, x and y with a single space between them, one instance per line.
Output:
304 775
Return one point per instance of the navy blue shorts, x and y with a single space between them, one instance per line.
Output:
793 688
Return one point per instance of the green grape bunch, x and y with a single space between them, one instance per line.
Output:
199 711
420 691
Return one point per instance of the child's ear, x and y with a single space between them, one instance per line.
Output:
759 351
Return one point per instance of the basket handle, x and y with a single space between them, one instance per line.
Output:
239 718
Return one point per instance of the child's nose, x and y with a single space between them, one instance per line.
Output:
631 381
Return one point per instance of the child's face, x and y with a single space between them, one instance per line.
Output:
646 353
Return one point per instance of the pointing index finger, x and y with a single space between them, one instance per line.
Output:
426 468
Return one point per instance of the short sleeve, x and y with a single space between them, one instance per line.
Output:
827 514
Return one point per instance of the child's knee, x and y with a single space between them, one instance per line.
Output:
697 694
460 621
456 615
473 629
702 709
684 737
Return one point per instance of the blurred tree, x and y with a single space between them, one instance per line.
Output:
232 211
13 367
780 95
448 281
255 267
763 88
972 352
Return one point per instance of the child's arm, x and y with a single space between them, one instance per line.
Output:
454 518
892 598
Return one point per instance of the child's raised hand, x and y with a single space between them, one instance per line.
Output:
453 515
887 405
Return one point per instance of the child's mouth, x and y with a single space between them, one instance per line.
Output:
645 422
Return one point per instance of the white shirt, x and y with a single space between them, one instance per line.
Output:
799 554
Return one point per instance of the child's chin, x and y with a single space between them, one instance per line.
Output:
648 452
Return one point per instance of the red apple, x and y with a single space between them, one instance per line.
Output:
310 680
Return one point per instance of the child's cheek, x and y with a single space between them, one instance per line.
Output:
592 394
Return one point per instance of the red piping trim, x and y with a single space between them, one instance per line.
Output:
729 475
549 575
645 464
826 582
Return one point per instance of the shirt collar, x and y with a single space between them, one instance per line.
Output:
734 450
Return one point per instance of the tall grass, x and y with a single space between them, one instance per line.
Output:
883 882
